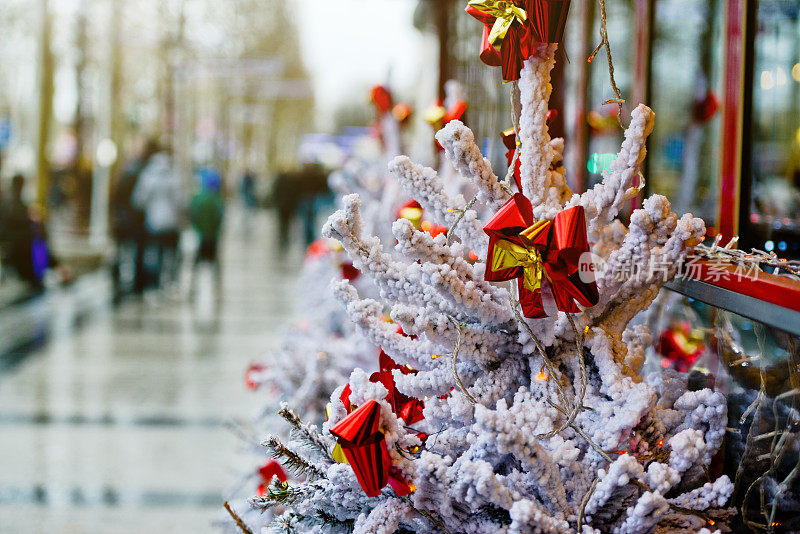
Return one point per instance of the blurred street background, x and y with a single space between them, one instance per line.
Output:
114 418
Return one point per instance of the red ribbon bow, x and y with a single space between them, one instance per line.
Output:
407 408
544 22
521 247
364 447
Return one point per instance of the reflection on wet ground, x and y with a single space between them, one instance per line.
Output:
114 421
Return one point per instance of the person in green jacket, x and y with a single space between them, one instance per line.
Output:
206 212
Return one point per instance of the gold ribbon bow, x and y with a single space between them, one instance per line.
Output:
508 254
505 12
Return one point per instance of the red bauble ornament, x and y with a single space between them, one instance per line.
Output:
679 346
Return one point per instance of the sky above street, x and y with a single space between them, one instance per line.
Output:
351 44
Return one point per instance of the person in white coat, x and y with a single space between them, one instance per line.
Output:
158 194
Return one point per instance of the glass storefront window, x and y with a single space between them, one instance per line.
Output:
775 135
686 83
605 134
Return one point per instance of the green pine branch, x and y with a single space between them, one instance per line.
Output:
292 460
282 493
290 521
307 434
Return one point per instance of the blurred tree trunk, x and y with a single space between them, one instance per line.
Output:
580 140
46 67
80 168
443 10
79 118
117 124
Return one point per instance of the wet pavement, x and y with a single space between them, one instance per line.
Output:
111 418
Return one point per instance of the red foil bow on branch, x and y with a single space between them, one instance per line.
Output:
407 408
514 29
522 247
364 446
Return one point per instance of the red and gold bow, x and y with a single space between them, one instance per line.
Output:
439 116
522 247
513 29
364 447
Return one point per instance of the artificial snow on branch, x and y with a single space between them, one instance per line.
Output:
530 425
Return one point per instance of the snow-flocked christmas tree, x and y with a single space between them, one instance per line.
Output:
530 425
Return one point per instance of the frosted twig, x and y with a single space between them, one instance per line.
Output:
238 520
579 401
605 43
462 212
561 395
584 501
454 355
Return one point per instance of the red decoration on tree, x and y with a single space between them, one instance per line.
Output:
317 249
267 472
345 397
521 247
704 109
510 141
412 211
382 98
679 346
514 30
364 447
249 380
349 272
402 113
407 408
438 116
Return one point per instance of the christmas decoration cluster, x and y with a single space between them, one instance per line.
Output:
507 393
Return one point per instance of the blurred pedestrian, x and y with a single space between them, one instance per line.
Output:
25 243
158 193
127 221
249 200
249 190
206 212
